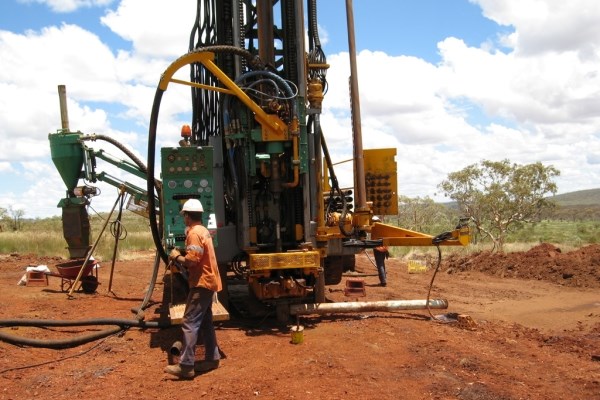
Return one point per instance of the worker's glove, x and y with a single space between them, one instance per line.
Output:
174 254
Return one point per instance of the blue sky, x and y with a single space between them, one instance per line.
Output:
406 27
448 83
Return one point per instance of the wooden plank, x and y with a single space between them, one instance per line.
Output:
176 311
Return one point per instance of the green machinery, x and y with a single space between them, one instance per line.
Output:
256 156
187 173
74 161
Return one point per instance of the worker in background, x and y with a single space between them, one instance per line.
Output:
204 282
381 253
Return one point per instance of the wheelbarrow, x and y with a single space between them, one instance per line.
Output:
68 272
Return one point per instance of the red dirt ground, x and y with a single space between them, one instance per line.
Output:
534 334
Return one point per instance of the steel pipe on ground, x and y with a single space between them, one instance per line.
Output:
362 306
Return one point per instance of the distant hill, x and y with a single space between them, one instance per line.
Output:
589 197
576 206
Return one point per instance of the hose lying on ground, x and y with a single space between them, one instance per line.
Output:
121 325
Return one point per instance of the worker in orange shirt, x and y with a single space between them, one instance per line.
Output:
204 282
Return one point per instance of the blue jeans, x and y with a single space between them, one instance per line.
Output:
380 263
198 318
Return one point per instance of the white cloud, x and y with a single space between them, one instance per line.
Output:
536 102
530 96
65 6
549 26
5 166
155 28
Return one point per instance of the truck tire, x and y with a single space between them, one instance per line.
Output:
89 284
349 262
334 267
319 290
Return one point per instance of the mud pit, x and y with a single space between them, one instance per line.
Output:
536 336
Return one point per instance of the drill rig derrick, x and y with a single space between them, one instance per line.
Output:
250 112
255 156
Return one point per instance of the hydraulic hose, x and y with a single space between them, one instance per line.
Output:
125 150
156 236
254 62
335 186
120 146
121 325
140 311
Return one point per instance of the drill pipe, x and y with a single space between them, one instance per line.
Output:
362 306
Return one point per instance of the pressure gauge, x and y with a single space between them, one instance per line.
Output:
203 183
172 184
187 183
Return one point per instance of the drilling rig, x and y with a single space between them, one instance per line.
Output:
255 155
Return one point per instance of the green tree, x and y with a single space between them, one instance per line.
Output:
4 218
16 216
500 197
424 215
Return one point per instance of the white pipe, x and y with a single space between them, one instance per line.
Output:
362 306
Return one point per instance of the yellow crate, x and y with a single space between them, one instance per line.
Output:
416 267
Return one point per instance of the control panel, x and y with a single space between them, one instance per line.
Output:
381 180
187 173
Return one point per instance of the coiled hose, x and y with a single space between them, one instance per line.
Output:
120 324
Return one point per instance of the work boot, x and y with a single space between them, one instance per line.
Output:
181 371
206 365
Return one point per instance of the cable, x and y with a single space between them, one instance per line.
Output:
118 230
436 242
370 259
432 279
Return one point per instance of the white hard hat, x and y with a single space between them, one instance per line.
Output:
375 218
192 205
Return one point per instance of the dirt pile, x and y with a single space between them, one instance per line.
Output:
578 268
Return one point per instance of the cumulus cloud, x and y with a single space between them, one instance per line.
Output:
549 26
66 6
533 101
154 28
530 95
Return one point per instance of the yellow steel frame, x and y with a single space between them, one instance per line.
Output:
273 127
395 236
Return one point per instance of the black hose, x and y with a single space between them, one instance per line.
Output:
121 325
58 343
336 186
436 242
156 236
125 150
254 62
120 146
83 322
140 311
437 245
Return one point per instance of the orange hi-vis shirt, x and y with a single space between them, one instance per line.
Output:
200 250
